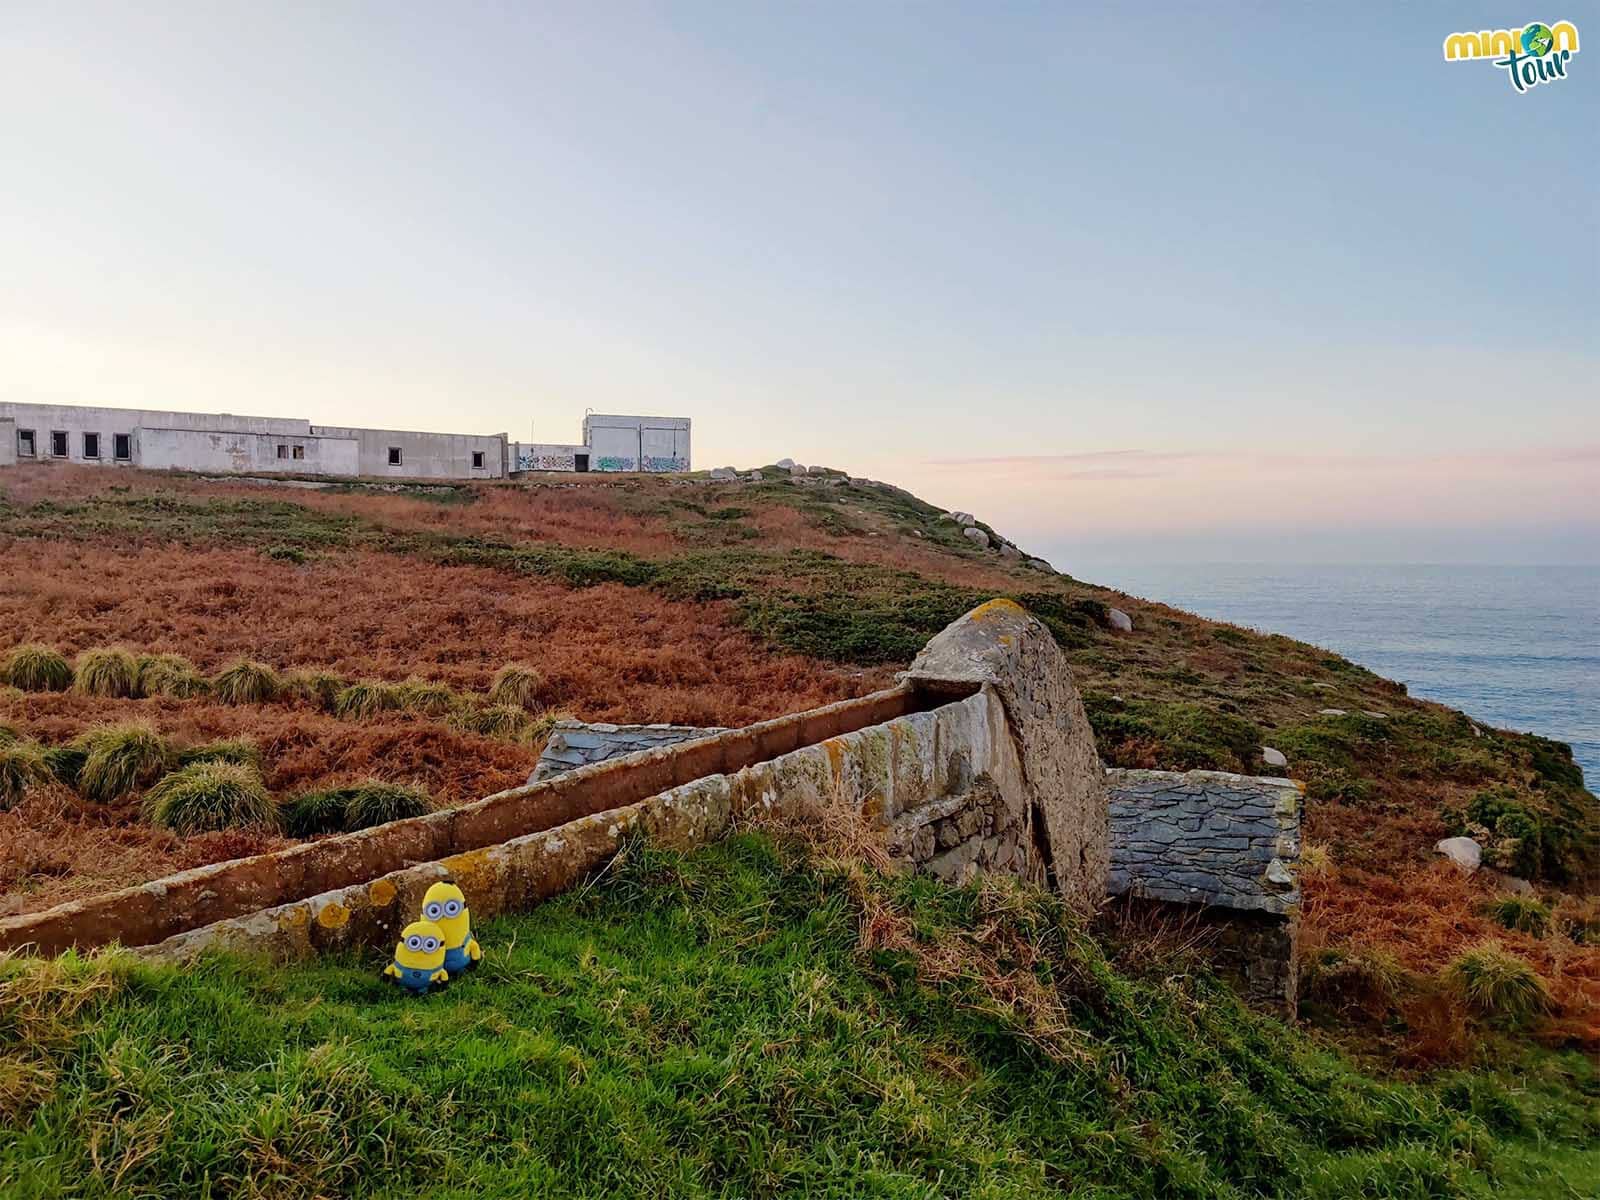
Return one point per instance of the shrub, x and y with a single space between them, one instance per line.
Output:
1498 985
312 813
493 720
22 766
431 699
121 759
367 698
354 806
320 688
1361 980
208 796
112 672
378 803
241 751
516 684
1523 914
35 668
170 675
247 682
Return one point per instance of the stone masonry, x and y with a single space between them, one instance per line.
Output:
1226 845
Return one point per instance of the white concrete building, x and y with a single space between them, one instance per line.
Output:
224 443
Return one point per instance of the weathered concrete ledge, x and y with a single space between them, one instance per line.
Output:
574 744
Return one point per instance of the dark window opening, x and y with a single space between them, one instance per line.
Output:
394 456
580 462
477 460
121 446
283 451
26 446
58 443
299 451
91 445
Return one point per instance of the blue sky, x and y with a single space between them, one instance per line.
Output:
1253 282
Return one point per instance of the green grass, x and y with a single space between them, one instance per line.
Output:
170 675
509 722
516 684
427 698
368 698
1498 985
210 795
35 668
110 672
245 682
1523 914
356 806
241 751
715 1025
22 766
121 759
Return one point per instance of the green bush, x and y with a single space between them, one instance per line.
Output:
367 699
36 668
1523 914
1498 985
354 806
207 796
1172 736
113 672
506 721
65 763
121 759
516 684
170 675
246 682
430 699
22 766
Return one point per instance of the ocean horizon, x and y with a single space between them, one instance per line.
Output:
1517 647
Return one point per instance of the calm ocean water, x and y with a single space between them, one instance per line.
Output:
1517 647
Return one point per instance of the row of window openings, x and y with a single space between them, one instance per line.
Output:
122 448
28 445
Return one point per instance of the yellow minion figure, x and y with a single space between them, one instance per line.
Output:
419 958
446 906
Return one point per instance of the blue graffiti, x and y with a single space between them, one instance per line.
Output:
665 464
609 462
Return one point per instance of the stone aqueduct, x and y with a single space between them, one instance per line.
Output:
980 760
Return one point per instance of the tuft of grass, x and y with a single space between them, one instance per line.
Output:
1498 985
36 668
208 796
318 688
1353 980
368 698
121 759
1521 914
65 763
354 806
246 682
22 766
430 699
110 672
170 675
241 751
516 684
505 721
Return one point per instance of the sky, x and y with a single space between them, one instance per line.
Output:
1232 282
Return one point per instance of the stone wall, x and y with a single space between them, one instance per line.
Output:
1226 848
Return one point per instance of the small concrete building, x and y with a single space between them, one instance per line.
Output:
223 443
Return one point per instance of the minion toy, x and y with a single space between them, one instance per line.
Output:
419 958
446 906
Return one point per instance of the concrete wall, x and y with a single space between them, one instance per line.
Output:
637 443
242 453
8 442
424 455
75 421
547 456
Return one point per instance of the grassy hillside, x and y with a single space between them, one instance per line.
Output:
744 1021
655 599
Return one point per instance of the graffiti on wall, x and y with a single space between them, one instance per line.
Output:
612 462
665 464
527 460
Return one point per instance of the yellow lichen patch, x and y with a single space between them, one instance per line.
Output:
999 606
381 892
294 918
468 866
333 915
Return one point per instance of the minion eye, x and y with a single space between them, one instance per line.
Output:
414 942
452 908
431 944
432 911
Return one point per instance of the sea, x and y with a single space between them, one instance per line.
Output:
1515 647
